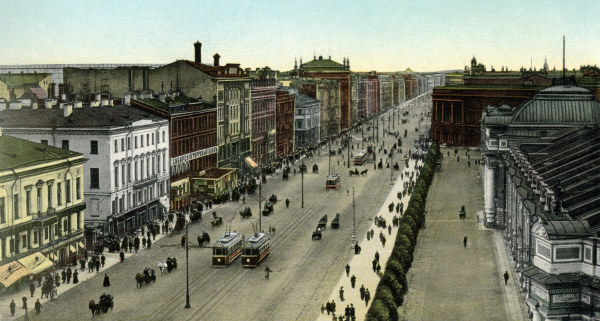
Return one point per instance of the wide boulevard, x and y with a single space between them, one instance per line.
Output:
304 270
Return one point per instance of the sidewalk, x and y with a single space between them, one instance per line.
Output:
361 264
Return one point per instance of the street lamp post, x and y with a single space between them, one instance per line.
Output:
348 146
302 170
187 269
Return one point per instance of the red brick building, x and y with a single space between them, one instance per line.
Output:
284 123
329 69
193 140
263 97
456 110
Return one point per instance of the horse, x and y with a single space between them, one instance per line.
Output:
364 172
351 172
95 307
139 279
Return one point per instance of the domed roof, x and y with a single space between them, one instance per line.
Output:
559 105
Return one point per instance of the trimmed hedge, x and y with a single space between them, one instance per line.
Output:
390 292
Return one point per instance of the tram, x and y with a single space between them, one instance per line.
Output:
333 181
227 248
256 249
360 157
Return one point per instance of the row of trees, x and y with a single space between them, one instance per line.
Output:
390 292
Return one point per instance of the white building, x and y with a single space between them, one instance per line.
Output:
127 172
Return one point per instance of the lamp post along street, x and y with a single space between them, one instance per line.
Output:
187 269
353 218
348 146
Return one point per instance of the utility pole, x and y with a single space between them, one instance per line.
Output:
349 139
260 202
187 269
353 218
302 170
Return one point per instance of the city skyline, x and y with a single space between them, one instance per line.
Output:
387 36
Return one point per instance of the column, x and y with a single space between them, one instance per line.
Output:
490 211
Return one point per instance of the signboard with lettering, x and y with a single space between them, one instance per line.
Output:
193 155
541 293
565 298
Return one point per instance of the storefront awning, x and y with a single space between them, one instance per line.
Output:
52 256
36 263
72 249
250 162
81 245
11 273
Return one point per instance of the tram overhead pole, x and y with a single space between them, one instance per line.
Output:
187 269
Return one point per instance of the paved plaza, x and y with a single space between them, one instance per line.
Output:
449 281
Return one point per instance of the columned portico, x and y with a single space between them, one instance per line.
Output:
489 182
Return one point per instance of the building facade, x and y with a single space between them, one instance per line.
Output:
192 145
284 122
264 104
386 92
41 208
329 69
307 123
373 93
127 172
327 93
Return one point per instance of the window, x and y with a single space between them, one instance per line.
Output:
94 178
49 196
68 190
58 194
116 146
94 147
2 210
28 202
123 172
164 162
117 176
141 168
16 206
122 144
129 172
163 136
153 168
78 188
135 170
141 140
148 167
65 144
135 142
46 233
36 235
129 143
158 163
39 200
78 221
148 139
45 141
152 138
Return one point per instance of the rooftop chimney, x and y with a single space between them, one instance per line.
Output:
198 52
128 96
216 57
14 105
49 103
67 109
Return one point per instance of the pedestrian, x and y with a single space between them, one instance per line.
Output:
372 233
378 268
353 281
383 241
149 243
273 229
389 229
38 306
352 312
469 163
57 279
368 236
347 312
102 260
374 263
97 265
136 243
341 291
332 307
505 277
347 270
267 271
465 241
367 297
12 306
121 256
63 276
144 241
328 307
31 288
106 282
356 248
377 256
287 203
362 292
24 302
130 246
75 277
457 158
69 273
183 241
323 309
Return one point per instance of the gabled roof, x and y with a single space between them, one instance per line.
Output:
16 153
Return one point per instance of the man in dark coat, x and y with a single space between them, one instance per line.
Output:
13 306
367 297
75 277
347 270
106 282
102 260
136 243
183 241
38 306
362 292
353 280
31 288
122 256
97 266
149 243
69 273
63 275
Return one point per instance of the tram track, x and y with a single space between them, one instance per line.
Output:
170 307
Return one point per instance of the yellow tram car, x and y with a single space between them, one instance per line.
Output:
256 249
227 248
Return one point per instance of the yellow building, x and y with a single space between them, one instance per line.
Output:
41 208
14 86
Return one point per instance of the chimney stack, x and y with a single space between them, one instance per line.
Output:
67 109
216 57
198 52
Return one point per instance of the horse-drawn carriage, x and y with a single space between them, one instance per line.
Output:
316 234
217 221
171 264
268 209
145 277
273 198
204 238
354 172
246 213
106 302
315 168
286 172
322 223
335 223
